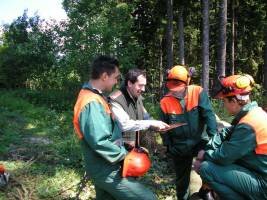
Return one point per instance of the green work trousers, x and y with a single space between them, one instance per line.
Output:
182 166
114 187
233 182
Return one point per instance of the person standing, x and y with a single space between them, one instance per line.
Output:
188 104
100 136
128 108
234 163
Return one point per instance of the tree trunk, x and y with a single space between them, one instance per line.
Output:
205 45
161 69
222 38
169 34
233 39
181 35
265 67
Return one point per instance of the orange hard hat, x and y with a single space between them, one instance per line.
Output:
136 163
235 85
178 72
177 77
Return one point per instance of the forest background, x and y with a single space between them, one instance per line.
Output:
43 64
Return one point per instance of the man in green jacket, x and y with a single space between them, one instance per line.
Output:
186 104
235 161
101 138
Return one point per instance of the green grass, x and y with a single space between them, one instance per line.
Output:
39 149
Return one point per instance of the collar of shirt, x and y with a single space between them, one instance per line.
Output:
89 86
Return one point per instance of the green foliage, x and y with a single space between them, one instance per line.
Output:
152 106
29 49
55 78
220 111
59 100
258 95
38 54
100 27
252 16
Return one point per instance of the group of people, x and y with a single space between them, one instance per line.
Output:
232 162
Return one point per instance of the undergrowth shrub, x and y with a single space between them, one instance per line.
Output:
59 100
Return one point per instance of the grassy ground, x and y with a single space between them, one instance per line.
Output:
40 151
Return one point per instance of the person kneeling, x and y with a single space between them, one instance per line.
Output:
234 163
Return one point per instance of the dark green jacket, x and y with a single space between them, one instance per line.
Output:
102 139
238 143
195 110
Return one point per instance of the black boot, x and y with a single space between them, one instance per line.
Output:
206 194
195 196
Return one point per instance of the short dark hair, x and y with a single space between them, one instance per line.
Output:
103 64
132 75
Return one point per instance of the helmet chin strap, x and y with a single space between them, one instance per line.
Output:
137 139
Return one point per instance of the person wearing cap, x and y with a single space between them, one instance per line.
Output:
127 107
188 104
101 138
234 163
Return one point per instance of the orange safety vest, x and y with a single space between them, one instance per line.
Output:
257 118
86 96
171 105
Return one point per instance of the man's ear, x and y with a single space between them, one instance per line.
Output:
129 83
104 76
